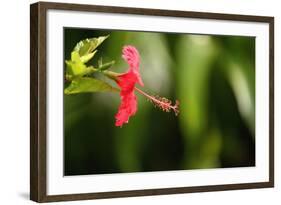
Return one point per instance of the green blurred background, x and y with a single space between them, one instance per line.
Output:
213 77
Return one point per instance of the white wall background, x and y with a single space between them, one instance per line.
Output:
14 102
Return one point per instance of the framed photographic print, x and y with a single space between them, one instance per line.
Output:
134 102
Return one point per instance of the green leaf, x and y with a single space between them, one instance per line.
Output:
88 45
75 56
75 67
86 84
81 54
87 57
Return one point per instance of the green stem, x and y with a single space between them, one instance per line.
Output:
110 74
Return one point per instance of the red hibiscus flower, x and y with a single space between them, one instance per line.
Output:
126 82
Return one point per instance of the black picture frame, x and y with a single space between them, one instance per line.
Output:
38 101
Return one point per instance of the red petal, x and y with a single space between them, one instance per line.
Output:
126 82
131 55
127 108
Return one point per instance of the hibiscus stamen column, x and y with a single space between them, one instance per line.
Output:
161 102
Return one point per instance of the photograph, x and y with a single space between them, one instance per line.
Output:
146 101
